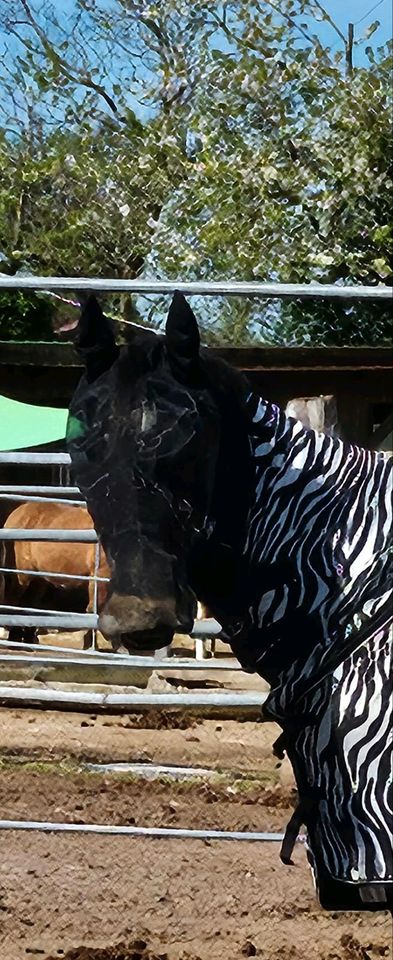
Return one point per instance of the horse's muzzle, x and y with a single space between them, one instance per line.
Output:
147 641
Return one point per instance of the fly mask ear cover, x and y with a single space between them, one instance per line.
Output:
95 340
183 342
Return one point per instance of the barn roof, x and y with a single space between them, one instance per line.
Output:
261 357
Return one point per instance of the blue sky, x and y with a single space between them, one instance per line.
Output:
361 13
345 11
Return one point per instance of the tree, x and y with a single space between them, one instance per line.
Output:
201 140
292 181
24 317
85 201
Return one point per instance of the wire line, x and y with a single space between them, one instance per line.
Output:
376 5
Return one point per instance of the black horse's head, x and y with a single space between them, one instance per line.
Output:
159 449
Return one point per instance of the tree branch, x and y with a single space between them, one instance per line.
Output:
287 16
70 73
229 33
330 20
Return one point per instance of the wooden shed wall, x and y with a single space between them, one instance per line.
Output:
361 378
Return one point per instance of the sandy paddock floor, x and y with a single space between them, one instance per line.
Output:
118 898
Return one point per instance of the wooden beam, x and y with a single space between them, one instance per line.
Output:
244 358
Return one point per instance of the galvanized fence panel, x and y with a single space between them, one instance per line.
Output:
50 619
35 492
60 492
227 288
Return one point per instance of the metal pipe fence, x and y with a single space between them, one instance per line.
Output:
17 616
29 489
134 701
69 621
174 833
28 498
227 288
41 459
59 492
56 576
38 610
96 659
79 621
39 493
62 536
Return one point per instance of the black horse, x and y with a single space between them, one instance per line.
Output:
199 488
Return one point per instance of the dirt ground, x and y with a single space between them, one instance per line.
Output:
90 897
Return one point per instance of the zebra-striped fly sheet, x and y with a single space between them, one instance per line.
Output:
322 520
200 488
320 533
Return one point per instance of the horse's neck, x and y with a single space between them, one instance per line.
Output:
271 431
285 455
295 467
257 435
263 444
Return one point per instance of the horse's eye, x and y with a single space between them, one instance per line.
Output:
185 508
148 443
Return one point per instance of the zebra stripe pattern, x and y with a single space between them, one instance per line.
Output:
319 545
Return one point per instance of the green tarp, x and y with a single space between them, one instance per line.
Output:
24 425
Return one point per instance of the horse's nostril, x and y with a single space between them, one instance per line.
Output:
144 623
145 640
108 625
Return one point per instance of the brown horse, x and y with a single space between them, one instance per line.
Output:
2 564
52 557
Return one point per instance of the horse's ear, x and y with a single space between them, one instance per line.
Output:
95 339
182 341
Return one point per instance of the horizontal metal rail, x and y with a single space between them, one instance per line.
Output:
284 291
175 833
113 658
55 576
72 621
50 648
96 659
20 498
187 701
28 488
155 771
63 536
201 628
45 459
12 607
207 627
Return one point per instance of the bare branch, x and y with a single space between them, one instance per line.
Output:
71 73
330 20
287 16
222 24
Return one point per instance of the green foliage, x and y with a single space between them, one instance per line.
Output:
84 203
24 317
201 141
293 182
